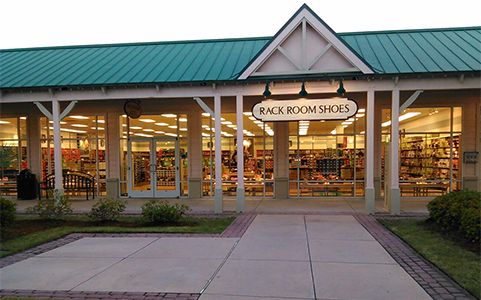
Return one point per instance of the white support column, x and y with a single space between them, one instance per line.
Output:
395 201
369 194
240 154
57 154
218 156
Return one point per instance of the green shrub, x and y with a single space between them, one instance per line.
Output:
161 212
7 213
107 210
458 212
55 207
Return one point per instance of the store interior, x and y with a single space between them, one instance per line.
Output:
326 158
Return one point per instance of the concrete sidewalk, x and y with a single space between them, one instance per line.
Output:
278 257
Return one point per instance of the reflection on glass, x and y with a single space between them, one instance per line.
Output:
166 165
141 166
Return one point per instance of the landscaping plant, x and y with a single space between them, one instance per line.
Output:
162 212
7 213
53 208
107 210
458 212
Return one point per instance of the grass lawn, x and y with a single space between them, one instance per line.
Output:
30 231
455 257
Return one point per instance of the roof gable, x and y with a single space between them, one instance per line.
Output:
305 45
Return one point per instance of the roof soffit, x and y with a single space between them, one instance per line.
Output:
305 45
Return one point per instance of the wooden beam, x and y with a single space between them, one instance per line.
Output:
318 57
289 58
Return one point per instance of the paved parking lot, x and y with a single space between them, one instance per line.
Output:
279 256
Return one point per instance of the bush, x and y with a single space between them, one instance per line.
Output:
458 212
107 210
53 208
161 212
7 213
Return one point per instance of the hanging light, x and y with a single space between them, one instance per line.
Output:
303 92
341 90
267 92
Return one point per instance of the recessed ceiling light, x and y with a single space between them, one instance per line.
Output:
172 126
23 118
169 115
79 125
171 134
148 130
183 129
79 117
159 132
135 127
205 114
147 120
248 114
161 124
71 130
362 110
143 135
98 121
182 119
99 128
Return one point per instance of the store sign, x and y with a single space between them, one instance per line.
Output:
305 109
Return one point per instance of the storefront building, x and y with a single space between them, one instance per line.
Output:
251 117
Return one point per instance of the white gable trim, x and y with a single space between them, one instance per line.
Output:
303 16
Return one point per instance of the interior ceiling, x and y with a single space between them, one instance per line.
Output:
164 124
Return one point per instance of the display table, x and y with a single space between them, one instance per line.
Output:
326 189
423 189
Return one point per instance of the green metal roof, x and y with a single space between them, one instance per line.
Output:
419 51
387 52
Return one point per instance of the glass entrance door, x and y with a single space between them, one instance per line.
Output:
153 167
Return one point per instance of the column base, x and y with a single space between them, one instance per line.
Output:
112 187
369 200
195 188
470 183
377 188
281 188
218 201
394 201
240 200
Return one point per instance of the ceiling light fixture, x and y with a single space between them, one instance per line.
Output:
79 117
147 120
402 118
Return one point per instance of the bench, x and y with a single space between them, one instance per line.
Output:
73 182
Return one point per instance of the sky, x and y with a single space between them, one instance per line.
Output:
38 23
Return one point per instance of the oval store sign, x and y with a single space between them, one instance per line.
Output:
304 109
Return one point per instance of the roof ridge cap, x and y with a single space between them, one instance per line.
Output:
137 44
410 30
